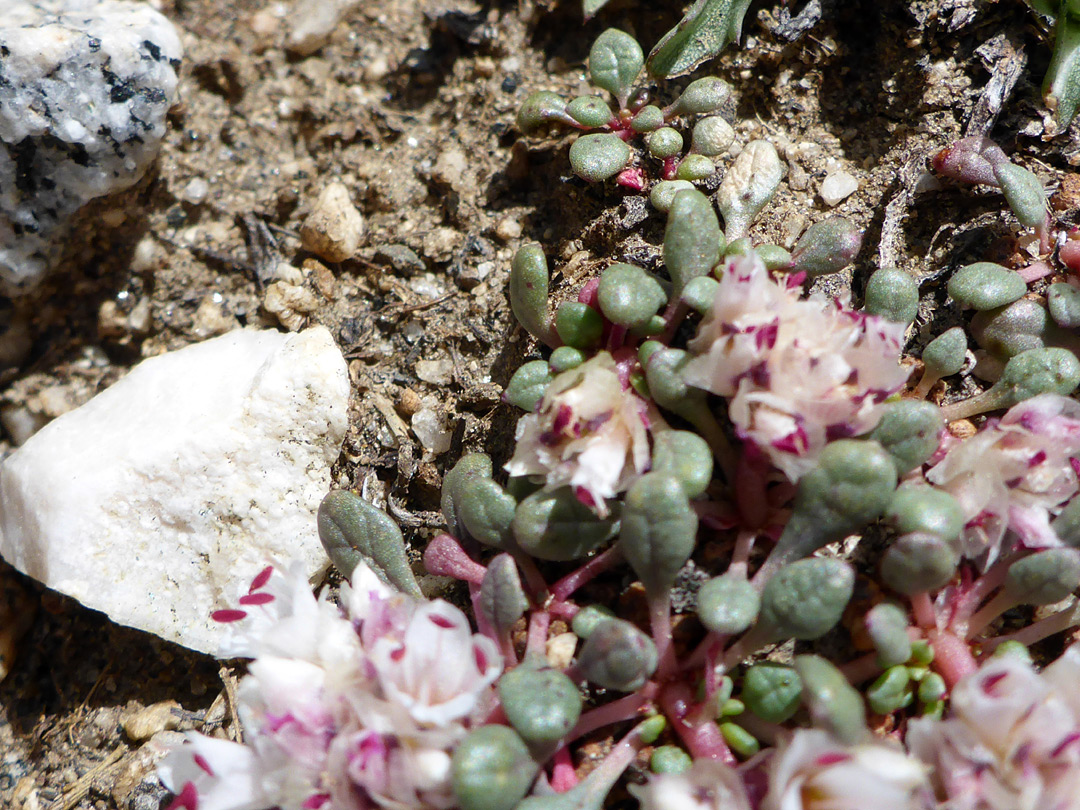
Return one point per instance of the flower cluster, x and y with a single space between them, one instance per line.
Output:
590 432
349 707
809 771
1012 741
797 372
1014 475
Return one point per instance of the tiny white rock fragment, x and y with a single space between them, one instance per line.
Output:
313 21
158 500
334 227
430 429
837 187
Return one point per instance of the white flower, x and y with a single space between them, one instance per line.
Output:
1012 740
1014 474
590 432
811 771
797 373
356 708
708 785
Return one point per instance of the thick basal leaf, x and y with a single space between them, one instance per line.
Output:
659 530
615 60
703 33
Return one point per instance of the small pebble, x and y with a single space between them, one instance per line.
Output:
403 260
507 229
334 229
837 187
148 721
430 428
408 403
436 372
195 191
559 650
291 303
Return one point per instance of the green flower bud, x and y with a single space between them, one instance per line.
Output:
890 691
732 708
502 599
892 294
629 296
917 508
741 741
647 119
491 769
921 653
579 325
691 239
832 701
597 157
702 96
664 143
542 705
540 109
750 183
774 257
617 656
772 691
659 529
470 466
526 388
589 111
486 510
651 729
1063 301
670 759
700 293
663 193
529 291
587 619
985 285
1023 192
908 431
354 531
728 604
556 526
804 600
827 247
918 562
695 167
712 136
615 60
1043 578
851 486
684 456
565 358
888 625
932 688
1030 373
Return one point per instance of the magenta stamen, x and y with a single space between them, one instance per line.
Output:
441 621
261 578
257 599
228 615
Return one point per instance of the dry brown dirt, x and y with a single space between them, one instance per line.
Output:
411 106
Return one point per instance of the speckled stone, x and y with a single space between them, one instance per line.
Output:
84 89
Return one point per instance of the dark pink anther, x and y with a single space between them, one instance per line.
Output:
261 578
257 599
228 615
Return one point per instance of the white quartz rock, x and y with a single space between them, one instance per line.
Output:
84 89
162 497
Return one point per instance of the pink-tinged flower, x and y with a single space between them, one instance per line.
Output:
797 372
811 771
1014 475
350 708
1011 741
708 785
589 432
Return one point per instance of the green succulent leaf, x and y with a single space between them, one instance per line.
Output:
486 511
772 691
491 769
728 604
659 530
1023 192
833 702
945 355
1043 578
526 388
599 156
909 432
1063 301
892 294
615 61
629 296
591 112
827 247
711 136
985 285
555 525
502 599
579 325
889 691
617 655
750 183
918 562
541 109
354 531
707 28
686 457
542 704
888 627
529 291
470 466
917 508
804 600
692 238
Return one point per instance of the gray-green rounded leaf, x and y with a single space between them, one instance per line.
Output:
502 598
1023 192
909 432
945 354
599 156
591 112
491 769
659 529
692 238
827 247
1063 300
917 508
542 705
486 510
686 457
555 525
526 388
985 285
540 109
617 655
615 60
892 294
469 466
888 627
918 562
1043 578
772 691
804 600
834 704
629 296
529 291
728 604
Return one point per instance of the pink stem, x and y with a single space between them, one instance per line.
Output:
534 580
862 668
1035 271
700 734
923 610
618 711
603 561
444 557
674 315
563 610
563 775
744 545
952 657
1044 628
539 623
980 589
660 623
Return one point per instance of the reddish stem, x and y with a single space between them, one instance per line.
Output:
563 775
539 622
691 721
952 657
603 561
618 711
